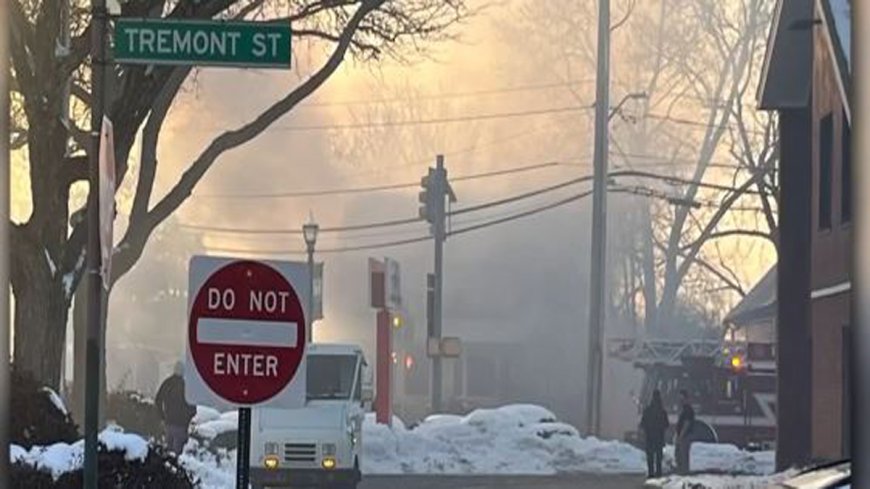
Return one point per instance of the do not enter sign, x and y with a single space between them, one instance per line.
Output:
246 333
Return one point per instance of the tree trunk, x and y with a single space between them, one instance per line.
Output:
650 292
41 310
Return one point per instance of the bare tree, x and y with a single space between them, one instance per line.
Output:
697 62
49 247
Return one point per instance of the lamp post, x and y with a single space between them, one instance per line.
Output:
309 232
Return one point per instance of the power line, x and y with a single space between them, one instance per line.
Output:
701 125
335 229
343 249
376 188
424 122
448 95
519 197
478 207
463 230
521 215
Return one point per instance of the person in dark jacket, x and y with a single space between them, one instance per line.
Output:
174 410
654 423
683 442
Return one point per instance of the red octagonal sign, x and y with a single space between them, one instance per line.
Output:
246 332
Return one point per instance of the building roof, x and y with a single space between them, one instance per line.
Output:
786 76
837 18
787 71
759 303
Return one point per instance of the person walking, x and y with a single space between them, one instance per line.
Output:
683 440
174 410
654 423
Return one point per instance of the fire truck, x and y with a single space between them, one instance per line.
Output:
732 384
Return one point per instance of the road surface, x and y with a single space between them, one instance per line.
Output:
574 481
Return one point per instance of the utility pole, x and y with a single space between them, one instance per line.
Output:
99 18
597 281
435 189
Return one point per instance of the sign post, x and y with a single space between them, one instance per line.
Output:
204 43
246 339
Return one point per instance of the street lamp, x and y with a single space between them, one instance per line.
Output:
309 232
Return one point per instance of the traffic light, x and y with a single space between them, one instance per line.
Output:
427 196
737 363
397 321
409 362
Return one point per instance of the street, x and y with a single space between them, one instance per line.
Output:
573 481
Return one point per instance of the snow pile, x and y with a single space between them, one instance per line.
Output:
708 457
210 426
213 471
519 439
525 439
61 458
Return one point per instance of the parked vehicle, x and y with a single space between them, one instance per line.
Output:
318 445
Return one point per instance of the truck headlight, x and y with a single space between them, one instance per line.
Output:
329 449
271 462
328 463
271 448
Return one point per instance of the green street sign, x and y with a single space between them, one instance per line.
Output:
210 43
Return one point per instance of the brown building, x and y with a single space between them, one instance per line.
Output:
806 80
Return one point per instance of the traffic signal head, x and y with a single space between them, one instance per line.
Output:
427 196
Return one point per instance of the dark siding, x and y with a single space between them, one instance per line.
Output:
793 284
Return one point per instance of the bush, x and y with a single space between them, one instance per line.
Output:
35 419
158 470
134 413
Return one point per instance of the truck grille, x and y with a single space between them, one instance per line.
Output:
300 452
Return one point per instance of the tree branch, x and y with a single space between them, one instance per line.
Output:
134 241
727 234
75 169
150 137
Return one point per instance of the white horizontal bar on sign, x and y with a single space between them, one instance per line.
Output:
247 332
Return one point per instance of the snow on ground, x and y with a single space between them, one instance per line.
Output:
718 481
512 440
524 439
60 458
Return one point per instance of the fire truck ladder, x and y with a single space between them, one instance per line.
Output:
646 353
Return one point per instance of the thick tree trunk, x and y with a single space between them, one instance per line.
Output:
41 310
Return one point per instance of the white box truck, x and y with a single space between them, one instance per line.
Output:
319 445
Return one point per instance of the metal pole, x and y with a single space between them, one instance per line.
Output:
310 322
5 190
243 453
440 189
94 263
597 281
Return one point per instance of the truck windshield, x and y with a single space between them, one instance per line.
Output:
331 376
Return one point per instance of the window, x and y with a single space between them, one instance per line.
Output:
846 177
330 376
826 130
